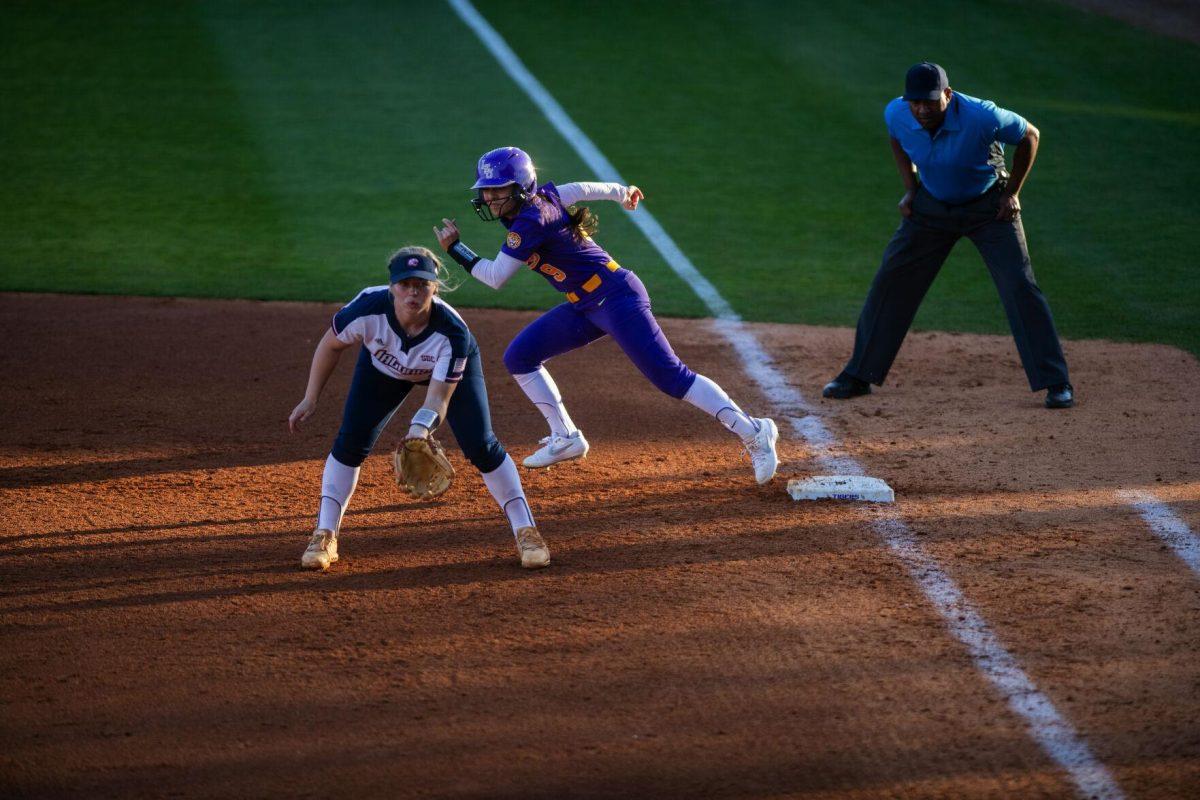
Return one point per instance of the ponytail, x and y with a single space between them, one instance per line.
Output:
583 222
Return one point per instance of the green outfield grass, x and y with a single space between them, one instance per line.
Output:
281 150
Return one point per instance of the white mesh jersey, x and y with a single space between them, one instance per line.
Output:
439 352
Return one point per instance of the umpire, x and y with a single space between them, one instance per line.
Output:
949 148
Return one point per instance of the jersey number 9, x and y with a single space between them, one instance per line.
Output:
553 272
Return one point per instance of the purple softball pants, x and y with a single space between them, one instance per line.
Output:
622 313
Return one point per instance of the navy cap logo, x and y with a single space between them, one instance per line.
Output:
412 265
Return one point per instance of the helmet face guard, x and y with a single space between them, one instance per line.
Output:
504 166
484 211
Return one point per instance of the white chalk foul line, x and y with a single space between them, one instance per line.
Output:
1167 525
1049 728
590 154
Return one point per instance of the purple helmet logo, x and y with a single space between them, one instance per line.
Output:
503 166
414 262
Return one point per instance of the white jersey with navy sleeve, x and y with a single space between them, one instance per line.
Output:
439 352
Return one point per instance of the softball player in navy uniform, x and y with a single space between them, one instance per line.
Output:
409 336
549 234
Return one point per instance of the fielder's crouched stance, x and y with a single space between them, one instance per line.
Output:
409 336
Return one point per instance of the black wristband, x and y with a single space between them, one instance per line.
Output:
463 255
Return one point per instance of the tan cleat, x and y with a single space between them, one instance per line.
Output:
532 548
321 550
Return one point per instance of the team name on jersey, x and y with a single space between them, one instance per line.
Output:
396 365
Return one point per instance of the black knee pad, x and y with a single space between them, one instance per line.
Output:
350 453
487 455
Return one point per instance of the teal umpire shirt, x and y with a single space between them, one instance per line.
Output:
959 162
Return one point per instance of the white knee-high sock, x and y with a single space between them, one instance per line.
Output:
711 398
337 485
504 482
542 391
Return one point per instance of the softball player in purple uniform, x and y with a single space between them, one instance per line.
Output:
409 337
549 234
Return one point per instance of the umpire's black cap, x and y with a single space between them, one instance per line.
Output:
411 265
925 81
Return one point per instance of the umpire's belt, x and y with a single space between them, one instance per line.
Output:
593 283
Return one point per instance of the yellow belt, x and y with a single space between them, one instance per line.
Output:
593 283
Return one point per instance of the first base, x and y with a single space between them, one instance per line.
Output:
841 487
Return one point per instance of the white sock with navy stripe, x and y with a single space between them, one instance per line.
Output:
337 486
711 398
542 391
504 482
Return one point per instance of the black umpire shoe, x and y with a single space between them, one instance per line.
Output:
1060 396
844 386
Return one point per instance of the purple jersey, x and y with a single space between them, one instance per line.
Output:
540 235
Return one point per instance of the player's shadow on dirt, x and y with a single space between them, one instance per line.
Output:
262 455
96 471
306 518
377 551
668 528
653 509
128 529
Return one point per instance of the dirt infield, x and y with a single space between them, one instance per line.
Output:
696 635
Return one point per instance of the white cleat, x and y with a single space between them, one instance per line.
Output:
558 448
321 550
532 547
762 450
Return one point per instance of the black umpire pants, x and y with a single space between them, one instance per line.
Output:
912 260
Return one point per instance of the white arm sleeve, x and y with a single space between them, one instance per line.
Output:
497 272
574 192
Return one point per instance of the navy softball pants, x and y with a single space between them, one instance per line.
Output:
374 398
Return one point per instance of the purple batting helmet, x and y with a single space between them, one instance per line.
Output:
504 166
